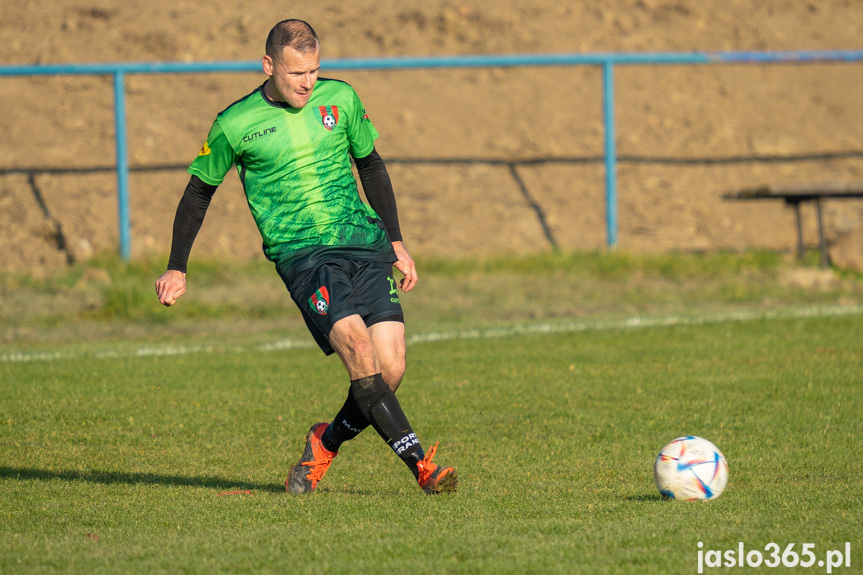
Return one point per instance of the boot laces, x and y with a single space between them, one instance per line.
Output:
426 467
318 469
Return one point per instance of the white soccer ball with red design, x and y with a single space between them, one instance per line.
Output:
690 469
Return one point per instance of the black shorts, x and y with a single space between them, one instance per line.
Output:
341 287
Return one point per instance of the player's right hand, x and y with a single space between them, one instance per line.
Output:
170 286
407 266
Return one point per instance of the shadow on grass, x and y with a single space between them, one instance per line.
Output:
117 477
644 498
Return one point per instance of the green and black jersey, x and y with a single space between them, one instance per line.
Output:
295 169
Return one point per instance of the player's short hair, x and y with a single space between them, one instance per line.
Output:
297 34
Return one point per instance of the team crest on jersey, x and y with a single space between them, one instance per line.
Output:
205 149
329 116
320 301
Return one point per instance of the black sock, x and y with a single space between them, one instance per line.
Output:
378 404
347 424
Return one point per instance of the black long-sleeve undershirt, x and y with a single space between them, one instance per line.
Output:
188 219
379 192
198 194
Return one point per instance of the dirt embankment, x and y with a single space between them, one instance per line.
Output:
524 143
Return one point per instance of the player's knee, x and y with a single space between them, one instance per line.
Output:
361 348
354 346
393 371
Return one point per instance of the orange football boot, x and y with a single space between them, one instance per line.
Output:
436 478
313 465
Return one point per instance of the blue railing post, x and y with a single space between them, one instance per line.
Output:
122 166
610 154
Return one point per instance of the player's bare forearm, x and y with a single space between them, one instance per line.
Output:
406 265
170 286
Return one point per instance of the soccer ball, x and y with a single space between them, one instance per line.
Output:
691 469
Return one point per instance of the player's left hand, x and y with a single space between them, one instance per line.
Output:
406 265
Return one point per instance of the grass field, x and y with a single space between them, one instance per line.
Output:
552 399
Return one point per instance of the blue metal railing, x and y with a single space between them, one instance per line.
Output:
606 61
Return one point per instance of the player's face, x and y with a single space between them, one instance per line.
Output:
293 76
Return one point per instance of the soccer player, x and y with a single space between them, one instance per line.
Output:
292 140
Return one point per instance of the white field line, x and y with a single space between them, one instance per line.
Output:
635 322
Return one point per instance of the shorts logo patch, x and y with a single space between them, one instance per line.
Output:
320 301
329 116
394 293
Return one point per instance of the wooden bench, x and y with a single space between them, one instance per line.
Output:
795 194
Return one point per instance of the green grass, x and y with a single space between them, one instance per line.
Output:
109 299
113 453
